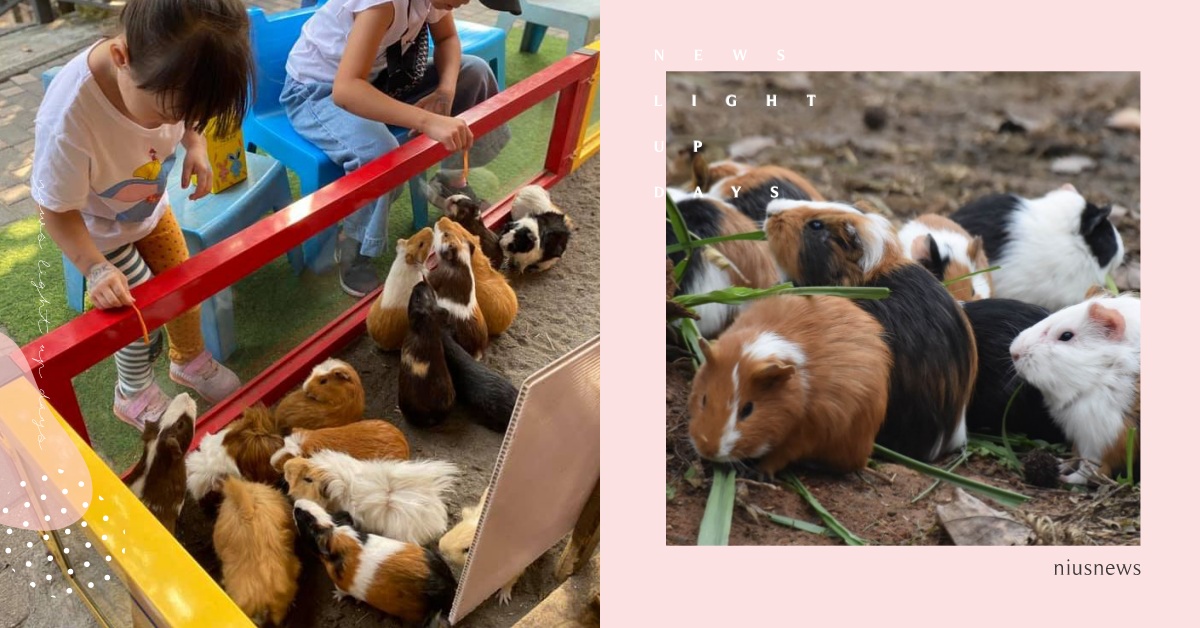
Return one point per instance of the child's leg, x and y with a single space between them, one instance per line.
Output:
135 364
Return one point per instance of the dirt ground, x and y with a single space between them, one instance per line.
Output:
945 139
559 310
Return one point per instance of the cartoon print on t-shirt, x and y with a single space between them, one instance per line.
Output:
147 186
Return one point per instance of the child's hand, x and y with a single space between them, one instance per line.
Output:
108 286
196 163
452 133
438 101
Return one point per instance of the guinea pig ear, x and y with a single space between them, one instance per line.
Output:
1068 187
975 247
920 249
1108 319
706 348
1097 291
1093 217
771 373
342 374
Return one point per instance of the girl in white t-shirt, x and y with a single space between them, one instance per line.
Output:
348 53
105 141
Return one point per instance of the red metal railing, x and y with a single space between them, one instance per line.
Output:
84 341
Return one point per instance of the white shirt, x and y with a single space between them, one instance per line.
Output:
318 50
88 156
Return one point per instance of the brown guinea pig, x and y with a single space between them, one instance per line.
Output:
160 478
469 213
331 396
368 439
691 164
497 300
253 537
251 441
932 344
387 322
449 272
948 251
793 379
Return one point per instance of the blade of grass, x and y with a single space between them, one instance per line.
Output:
691 335
969 275
1008 498
803 526
1130 434
749 235
738 295
834 525
1004 429
718 512
961 459
682 236
1111 284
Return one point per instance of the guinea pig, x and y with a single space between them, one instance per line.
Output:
400 499
744 263
368 439
253 537
793 379
488 394
387 322
1050 250
160 478
450 274
1086 360
497 300
425 390
537 233
456 544
933 350
331 396
751 188
684 169
251 441
469 213
399 578
208 466
948 251
996 323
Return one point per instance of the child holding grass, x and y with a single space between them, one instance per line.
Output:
105 142
362 65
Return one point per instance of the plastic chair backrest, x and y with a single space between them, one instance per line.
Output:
271 41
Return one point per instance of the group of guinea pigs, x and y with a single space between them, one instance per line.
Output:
819 380
312 471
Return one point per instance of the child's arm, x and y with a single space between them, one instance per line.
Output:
353 91
447 58
107 285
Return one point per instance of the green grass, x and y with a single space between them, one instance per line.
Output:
268 322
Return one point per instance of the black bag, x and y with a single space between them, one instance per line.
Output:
405 68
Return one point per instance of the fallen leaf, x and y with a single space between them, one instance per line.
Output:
969 521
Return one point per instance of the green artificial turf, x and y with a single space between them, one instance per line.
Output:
274 309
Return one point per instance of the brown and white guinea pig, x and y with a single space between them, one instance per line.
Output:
160 478
537 233
496 298
469 213
253 537
685 170
387 322
368 439
456 544
488 394
933 349
449 272
1050 250
399 578
400 499
331 396
793 379
251 441
425 392
948 251
1086 360
744 263
750 188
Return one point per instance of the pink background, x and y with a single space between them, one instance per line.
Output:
647 583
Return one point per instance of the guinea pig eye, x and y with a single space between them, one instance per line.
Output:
309 480
323 380
1066 335
746 410
703 400
816 225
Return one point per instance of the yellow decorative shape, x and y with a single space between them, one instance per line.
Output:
227 158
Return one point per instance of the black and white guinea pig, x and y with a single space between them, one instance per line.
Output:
537 233
1051 250
1086 360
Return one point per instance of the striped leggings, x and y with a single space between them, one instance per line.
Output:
161 249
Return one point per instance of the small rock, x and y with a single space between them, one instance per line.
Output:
875 118
748 147
1072 164
793 81
1128 276
1118 212
1128 119
813 163
952 173
1018 123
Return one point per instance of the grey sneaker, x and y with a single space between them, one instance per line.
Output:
358 276
206 376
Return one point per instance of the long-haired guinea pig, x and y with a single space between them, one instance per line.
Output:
450 275
251 441
744 263
1086 360
681 169
387 322
469 213
425 391
486 393
933 350
399 578
537 233
793 379
751 188
497 300
400 499
996 323
368 439
1050 250
948 251
331 396
253 537
160 478
456 544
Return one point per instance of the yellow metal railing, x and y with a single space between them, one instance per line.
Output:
589 139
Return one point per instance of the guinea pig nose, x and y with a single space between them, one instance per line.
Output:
1016 356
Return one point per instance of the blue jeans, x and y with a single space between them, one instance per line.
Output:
351 141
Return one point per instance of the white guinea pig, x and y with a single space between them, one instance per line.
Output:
1086 360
